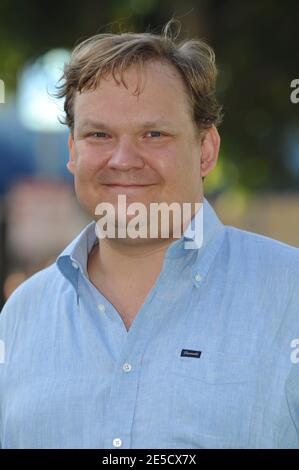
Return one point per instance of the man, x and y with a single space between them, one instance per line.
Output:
145 342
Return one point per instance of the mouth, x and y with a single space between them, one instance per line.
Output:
126 184
126 188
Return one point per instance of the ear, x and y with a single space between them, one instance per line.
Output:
209 150
71 164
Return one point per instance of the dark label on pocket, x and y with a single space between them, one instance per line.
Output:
190 353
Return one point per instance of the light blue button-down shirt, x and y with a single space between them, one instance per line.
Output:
72 376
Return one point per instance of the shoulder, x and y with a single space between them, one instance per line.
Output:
262 249
265 262
41 280
39 286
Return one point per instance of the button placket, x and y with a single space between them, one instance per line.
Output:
117 442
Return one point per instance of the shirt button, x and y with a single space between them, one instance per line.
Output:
117 442
127 367
75 265
197 277
101 308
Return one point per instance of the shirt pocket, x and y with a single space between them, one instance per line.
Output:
212 399
215 367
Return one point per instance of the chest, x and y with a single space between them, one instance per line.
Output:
125 298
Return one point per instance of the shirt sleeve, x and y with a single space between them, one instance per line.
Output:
292 394
292 379
8 317
292 382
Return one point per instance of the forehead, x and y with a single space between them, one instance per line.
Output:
163 94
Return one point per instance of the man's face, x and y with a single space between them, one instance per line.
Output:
149 141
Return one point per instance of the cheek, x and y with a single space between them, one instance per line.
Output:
85 168
181 170
166 162
176 164
88 161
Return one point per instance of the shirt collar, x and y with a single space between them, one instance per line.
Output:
204 227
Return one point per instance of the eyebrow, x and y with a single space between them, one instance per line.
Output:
147 124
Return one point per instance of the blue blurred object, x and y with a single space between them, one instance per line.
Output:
36 103
25 153
32 141
13 165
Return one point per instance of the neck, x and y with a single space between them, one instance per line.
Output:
115 258
125 258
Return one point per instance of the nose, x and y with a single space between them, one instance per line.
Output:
125 156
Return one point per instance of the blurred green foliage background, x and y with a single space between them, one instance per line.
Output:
256 45
255 184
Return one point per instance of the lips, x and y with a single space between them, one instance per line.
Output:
127 188
127 185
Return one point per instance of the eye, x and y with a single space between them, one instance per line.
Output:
155 132
99 134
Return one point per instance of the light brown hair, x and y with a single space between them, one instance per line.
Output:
111 54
